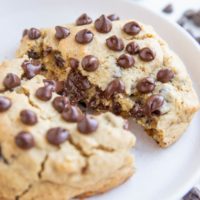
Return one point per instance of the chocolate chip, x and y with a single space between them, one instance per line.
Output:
189 13
87 125
146 54
84 36
33 54
25 32
60 103
153 104
83 20
146 85
72 114
113 17
57 86
103 24
114 43
165 75
196 19
114 87
137 111
44 93
132 28
11 81
24 140
61 32
132 48
60 62
73 63
57 136
34 34
28 117
31 68
168 9
116 108
125 61
76 86
90 63
5 104
193 194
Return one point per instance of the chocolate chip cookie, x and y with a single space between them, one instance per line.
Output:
122 66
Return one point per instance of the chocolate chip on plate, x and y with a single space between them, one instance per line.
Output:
84 36
83 20
73 63
60 103
57 136
114 43
165 75
103 24
61 32
189 13
11 81
90 63
24 140
168 9
28 117
153 104
114 87
87 125
31 68
132 28
146 85
72 114
125 61
44 93
113 17
193 194
34 33
5 104
132 48
146 54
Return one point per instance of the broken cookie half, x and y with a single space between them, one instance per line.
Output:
122 66
49 148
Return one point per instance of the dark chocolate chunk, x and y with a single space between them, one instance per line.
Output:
73 63
165 75
24 140
114 43
57 86
60 62
5 104
153 104
60 103
132 48
193 194
61 32
28 117
87 125
44 93
84 36
146 54
137 111
168 9
83 20
132 28
113 17
11 81
90 63
103 24
72 114
57 136
125 61
114 87
34 34
116 108
146 85
31 68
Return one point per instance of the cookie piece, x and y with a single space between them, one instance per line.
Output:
146 81
40 151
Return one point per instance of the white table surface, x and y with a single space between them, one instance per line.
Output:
179 7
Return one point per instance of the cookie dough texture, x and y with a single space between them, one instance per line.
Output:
82 166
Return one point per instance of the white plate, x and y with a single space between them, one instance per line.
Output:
161 173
